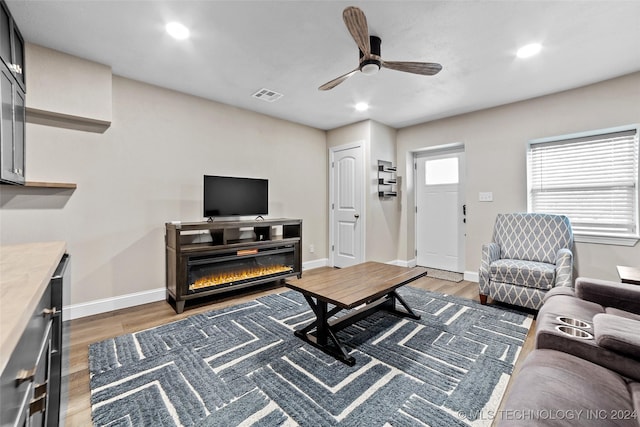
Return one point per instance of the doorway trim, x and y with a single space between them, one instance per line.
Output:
363 217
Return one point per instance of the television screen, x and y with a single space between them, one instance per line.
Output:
231 196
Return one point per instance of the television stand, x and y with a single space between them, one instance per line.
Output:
214 258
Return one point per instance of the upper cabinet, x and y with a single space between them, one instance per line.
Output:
12 94
12 45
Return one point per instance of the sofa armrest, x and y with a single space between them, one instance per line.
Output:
564 268
560 290
617 334
490 253
622 296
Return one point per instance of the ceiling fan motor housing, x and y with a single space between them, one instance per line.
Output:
371 65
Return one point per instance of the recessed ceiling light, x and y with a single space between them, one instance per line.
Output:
362 106
529 50
177 30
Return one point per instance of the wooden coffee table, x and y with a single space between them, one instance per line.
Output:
363 288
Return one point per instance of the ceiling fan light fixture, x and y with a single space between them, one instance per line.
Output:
370 68
177 30
529 50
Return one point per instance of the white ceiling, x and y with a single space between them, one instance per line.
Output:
292 47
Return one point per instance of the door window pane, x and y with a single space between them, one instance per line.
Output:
441 171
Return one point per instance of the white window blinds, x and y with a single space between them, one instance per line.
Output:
592 178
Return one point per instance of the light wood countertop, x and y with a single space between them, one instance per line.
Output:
25 272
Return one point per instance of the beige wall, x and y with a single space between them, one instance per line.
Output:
495 143
383 214
382 217
147 169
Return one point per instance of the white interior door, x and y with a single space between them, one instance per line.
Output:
440 214
347 181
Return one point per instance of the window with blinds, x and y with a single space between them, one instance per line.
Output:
590 177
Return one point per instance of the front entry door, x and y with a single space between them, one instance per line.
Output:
440 221
347 181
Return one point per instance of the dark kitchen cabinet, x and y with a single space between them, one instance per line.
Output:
30 383
11 45
12 94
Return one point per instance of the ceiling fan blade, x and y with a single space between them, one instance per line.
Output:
335 82
356 23
423 68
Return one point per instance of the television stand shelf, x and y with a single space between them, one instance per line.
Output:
216 257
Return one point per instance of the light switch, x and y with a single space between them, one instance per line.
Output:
485 196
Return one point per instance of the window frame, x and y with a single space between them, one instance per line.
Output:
601 238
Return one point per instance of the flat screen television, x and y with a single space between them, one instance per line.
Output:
233 196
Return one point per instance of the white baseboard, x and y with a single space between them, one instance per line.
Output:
403 263
309 265
472 276
76 311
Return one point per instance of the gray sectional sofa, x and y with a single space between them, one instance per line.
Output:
585 369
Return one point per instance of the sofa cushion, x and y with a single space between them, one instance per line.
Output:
531 274
623 296
572 389
618 334
622 313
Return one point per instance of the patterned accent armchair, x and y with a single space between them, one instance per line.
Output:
530 254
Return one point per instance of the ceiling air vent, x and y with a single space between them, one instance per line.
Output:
267 95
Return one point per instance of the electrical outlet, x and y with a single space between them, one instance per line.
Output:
485 196
312 248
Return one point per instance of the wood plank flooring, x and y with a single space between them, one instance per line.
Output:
87 330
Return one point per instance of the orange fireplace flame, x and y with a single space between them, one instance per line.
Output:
234 276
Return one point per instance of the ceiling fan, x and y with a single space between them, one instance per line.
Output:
370 60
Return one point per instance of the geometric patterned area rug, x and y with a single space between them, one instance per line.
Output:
242 365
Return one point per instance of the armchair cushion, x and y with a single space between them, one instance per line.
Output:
531 236
618 334
533 274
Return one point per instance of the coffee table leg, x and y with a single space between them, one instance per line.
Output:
324 333
321 327
393 297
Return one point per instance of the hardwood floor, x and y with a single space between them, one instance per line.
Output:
87 330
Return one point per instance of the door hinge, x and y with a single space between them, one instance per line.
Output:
416 252
333 206
332 248
416 209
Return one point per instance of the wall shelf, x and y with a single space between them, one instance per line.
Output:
43 184
387 179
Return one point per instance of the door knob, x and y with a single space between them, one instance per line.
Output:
356 216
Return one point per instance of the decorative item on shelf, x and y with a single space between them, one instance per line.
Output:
386 179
